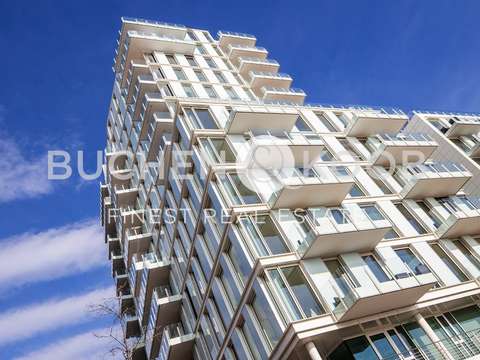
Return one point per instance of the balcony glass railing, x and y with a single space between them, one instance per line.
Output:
270 74
258 60
283 90
269 137
236 34
246 47
152 22
414 172
155 36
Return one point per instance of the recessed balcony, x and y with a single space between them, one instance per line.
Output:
121 281
160 128
156 272
227 38
118 264
127 303
349 302
432 180
292 96
375 121
165 310
235 51
145 83
463 219
259 79
130 217
248 64
343 230
175 344
113 243
317 186
132 327
399 149
245 118
137 241
124 195
269 147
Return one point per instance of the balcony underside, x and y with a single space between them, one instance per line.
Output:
235 53
311 195
246 66
138 244
375 304
259 81
181 348
434 187
290 97
462 226
168 310
462 129
126 197
399 155
243 121
132 328
360 241
365 126
225 40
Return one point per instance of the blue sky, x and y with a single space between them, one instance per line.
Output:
55 89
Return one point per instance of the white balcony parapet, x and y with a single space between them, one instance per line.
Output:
175 344
435 179
292 95
463 218
400 148
371 121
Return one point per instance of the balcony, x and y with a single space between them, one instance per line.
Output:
134 43
165 310
159 128
118 265
248 64
145 83
113 244
175 344
132 327
457 126
399 149
365 122
469 144
463 219
157 271
127 304
303 188
270 148
432 180
259 79
292 96
235 51
342 230
245 118
130 217
121 281
124 196
227 38
136 242
350 301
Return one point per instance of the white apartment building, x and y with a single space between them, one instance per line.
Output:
242 223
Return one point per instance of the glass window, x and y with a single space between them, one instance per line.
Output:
411 219
350 149
264 235
467 253
339 215
356 191
171 59
383 346
376 268
210 63
361 349
293 287
449 262
469 318
375 176
205 119
210 92
218 149
179 74
191 61
200 75
413 263
301 125
201 49
323 119
191 35
231 93
372 212
428 212
189 90
220 77
265 316
343 119
391 234
238 192
326 155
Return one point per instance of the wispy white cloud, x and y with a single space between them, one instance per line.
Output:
20 177
51 254
84 346
22 323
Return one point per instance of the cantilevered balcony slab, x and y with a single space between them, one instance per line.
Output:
329 238
157 271
124 196
274 94
236 51
121 281
399 149
165 308
227 38
259 79
324 186
460 223
136 242
461 126
113 243
132 327
371 122
433 180
293 148
127 304
174 346
248 64
245 118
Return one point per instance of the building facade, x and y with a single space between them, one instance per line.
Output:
242 223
